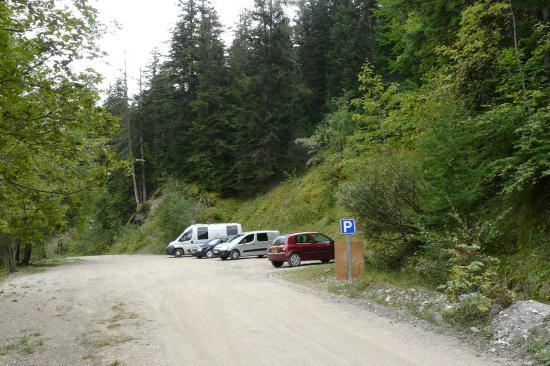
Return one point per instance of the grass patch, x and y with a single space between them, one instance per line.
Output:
110 341
41 265
311 196
98 340
52 262
3 273
372 278
312 274
120 315
113 325
537 344
26 344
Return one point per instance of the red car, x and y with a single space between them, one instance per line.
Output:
298 247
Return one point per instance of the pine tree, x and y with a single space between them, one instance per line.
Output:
212 157
267 84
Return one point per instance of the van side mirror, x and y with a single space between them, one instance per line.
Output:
191 241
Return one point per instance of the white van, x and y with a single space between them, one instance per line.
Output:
247 244
197 234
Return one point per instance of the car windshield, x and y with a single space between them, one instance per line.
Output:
235 238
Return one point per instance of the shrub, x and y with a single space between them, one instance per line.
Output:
471 308
470 270
331 135
386 197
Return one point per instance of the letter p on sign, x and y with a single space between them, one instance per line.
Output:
347 226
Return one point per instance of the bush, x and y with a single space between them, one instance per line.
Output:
386 197
331 135
471 308
470 270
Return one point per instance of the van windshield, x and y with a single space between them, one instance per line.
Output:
186 235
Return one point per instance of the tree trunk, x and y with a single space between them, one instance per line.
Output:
518 56
130 152
142 155
17 250
27 254
7 257
131 158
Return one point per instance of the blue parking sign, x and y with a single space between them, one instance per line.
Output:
347 226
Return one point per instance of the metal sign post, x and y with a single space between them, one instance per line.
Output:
347 227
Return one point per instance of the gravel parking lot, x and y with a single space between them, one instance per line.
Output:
155 310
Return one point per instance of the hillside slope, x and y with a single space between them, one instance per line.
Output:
305 202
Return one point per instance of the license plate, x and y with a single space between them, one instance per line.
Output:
275 250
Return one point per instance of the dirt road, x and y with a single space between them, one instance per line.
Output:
154 310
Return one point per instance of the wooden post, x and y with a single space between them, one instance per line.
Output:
357 259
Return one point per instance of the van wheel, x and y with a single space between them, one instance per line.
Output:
325 261
294 260
277 264
178 253
235 254
261 256
209 254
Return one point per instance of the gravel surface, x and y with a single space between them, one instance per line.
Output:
155 310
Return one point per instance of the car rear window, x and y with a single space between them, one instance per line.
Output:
320 238
279 240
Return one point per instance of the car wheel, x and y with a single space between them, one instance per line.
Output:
235 254
178 253
294 260
209 254
261 256
277 264
325 261
223 258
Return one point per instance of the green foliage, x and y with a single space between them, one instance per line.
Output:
472 309
471 273
387 197
529 163
331 134
167 219
333 39
299 203
54 140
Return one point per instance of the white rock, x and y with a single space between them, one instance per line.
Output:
516 321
